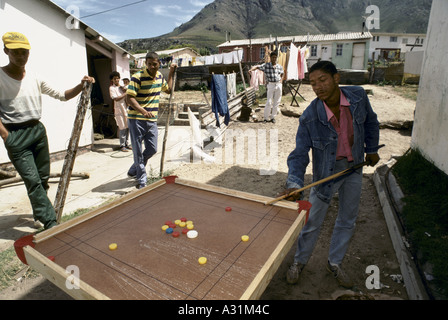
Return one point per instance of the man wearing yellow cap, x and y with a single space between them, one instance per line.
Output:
24 135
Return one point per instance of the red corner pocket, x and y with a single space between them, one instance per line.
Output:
170 179
305 205
21 243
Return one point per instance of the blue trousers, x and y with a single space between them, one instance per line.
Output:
349 189
145 133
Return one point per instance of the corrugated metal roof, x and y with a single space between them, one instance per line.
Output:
341 36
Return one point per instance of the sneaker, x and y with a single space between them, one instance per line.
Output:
273 120
38 224
140 186
339 275
293 273
124 149
132 176
128 147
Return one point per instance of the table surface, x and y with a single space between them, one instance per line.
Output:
151 264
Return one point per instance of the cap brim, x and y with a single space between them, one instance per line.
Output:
13 46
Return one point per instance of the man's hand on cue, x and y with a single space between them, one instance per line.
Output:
293 197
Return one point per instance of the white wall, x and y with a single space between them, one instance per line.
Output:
57 54
430 130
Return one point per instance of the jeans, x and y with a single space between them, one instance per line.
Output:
124 136
28 151
146 132
349 189
274 97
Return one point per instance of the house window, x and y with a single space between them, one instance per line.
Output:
393 39
339 50
376 38
314 51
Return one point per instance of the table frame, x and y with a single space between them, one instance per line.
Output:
57 275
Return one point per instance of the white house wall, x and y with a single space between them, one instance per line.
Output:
57 54
430 130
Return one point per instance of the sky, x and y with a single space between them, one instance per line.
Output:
133 19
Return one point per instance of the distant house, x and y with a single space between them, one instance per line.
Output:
184 57
347 50
392 46
63 50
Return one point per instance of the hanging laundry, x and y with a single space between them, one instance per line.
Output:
293 71
256 78
219 98
231 85
217 58
228 58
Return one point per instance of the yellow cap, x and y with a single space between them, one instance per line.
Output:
15 40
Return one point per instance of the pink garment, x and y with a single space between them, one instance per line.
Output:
344 128
257 78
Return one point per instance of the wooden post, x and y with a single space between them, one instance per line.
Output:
167 126
71 150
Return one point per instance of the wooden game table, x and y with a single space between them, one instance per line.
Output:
149 263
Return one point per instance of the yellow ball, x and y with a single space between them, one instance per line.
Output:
190 226
245 238
202 260
165 227
113 246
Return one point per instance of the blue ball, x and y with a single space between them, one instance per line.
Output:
169 230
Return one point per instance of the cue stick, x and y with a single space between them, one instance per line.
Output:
70 156
167 126
334 176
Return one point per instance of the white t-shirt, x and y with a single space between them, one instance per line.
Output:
21 101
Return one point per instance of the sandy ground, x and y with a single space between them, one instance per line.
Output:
371 244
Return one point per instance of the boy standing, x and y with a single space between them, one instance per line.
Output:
143 96
274 74
118 95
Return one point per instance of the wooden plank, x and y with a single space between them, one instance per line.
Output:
264 276
70 157
237 194
58 276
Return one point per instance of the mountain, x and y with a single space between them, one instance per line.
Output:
244 19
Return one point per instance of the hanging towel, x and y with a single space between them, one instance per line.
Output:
219 98
231 85
228 58
293 71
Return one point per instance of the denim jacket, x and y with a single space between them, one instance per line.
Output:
315 132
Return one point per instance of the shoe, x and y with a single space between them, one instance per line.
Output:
38 224
265 121
128 147
340 275
293 273
273 120
140 186
124 149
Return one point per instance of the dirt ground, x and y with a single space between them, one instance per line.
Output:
371 244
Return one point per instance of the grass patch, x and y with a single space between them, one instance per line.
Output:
425 214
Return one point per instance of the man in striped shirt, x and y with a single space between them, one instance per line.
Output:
143 95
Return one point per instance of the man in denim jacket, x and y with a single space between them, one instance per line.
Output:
341 129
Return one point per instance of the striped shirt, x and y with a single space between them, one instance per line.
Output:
146 90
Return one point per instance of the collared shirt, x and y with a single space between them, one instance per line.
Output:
344 128
273 73
146 91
